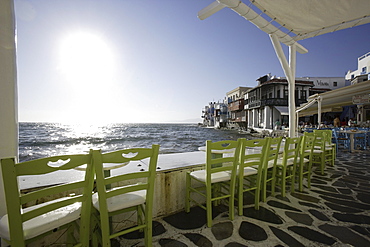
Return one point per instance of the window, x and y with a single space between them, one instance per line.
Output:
364 69
335 84
270 95
278 94
285 93
303 94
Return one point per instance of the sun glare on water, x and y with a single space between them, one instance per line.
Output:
86 63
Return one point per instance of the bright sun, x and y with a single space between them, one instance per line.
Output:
84 57
86 63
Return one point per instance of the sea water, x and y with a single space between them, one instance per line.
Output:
37 140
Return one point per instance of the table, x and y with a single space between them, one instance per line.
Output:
248 150
106 166
352 137
219 153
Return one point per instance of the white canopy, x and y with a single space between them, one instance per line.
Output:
284 111
334 100
293 20
288 21
309 18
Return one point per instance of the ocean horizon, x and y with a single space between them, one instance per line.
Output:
43 139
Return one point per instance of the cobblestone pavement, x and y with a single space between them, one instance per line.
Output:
334 212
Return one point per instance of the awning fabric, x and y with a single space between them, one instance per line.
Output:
334 100
294 20
315 17
284 110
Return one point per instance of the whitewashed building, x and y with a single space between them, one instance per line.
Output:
268 101
324 84
363 70
236 114
215 115
260 107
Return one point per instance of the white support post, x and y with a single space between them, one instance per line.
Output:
291 81
8 89
289 71
319 111
360 114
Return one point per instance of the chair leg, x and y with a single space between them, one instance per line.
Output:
293 174
264 186
209 208
322 166
216 192
96 238
273 183
309 169
300 176
105 230
231 204
139 214
148 232
240 197
283 180
335 150
70 235
257 195
187 199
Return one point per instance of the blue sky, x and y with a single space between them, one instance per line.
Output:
150 60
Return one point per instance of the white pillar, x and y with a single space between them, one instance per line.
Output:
289 71
360 114
8 89
291 81
319 111
255 118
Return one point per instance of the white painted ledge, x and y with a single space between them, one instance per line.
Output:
166 163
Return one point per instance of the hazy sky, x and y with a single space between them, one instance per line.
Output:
150 60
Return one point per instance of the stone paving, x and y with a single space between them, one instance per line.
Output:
334 212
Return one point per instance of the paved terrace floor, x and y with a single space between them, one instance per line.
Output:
335 212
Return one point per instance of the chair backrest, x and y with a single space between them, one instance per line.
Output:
291 149
222 156
253 154
328 134
273 151
73 193
307 145
319 140
105 183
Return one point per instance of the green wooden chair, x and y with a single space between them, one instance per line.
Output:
322 153
250 170
217 181
305 160
330 147
34 215
117 194
286 165
269 171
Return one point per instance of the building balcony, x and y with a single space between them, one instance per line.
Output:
236 105
273 102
